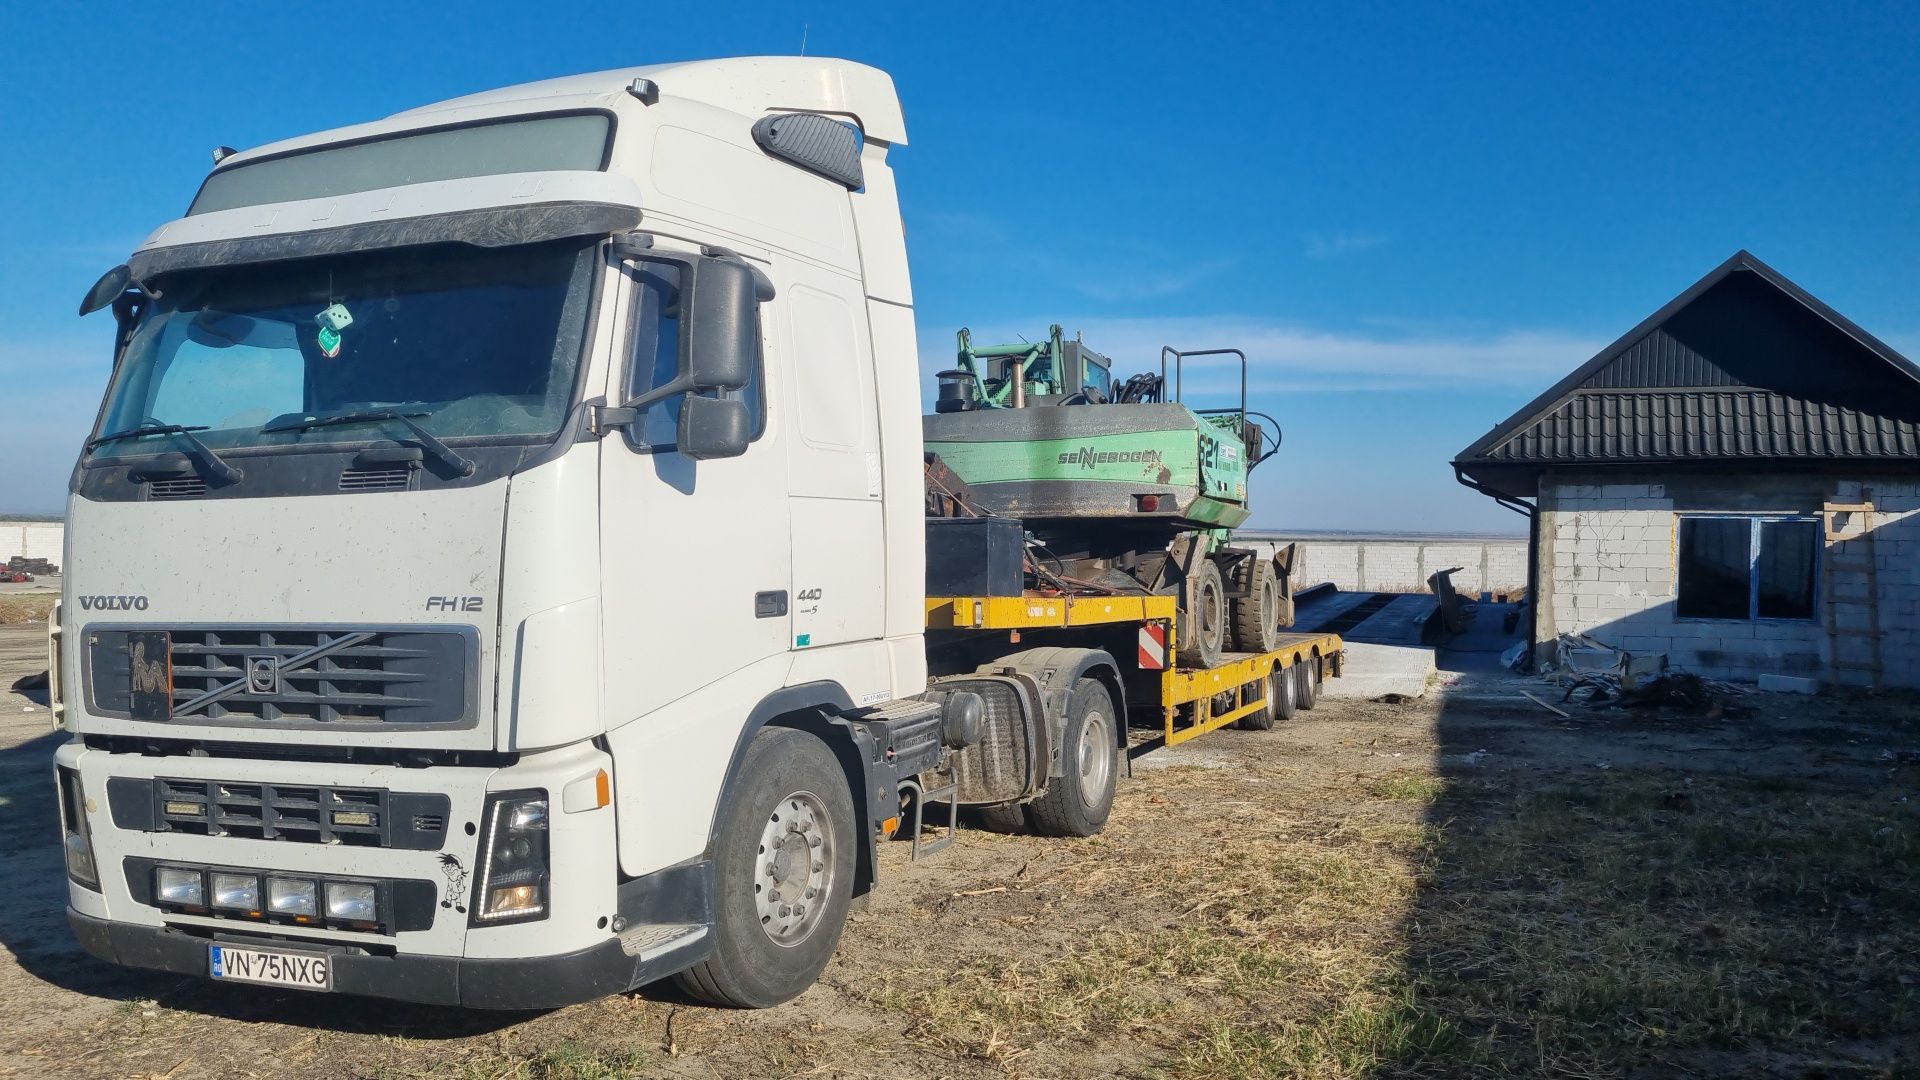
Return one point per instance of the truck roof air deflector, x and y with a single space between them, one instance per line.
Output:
489 228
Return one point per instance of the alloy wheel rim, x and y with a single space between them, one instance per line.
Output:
1096 757
793 872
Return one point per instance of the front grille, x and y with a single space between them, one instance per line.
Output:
375 479
306 677
188 487
301 813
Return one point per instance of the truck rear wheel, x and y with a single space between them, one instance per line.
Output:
1282 689
783 859
1203 617
1077 804
1256 616
1009 818
1309 690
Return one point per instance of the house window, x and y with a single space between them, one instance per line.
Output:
1747 567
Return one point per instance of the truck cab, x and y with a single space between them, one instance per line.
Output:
495 576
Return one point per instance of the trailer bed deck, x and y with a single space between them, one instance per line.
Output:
1189 696
1193 701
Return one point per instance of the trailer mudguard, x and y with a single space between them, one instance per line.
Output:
1056 669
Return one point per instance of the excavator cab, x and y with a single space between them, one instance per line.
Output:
1051 372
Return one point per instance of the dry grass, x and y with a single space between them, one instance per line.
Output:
1634 920
564 1061
1276 955
30 607
1406 785
1641 918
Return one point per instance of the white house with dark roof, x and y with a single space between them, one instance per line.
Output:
1735 483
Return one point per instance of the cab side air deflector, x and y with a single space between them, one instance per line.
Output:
818 144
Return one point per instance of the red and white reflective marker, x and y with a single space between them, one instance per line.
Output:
1153 646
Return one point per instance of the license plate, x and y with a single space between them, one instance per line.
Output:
306 971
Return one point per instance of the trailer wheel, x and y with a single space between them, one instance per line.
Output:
1202 627
1077 804
1256 616
783 874
1309 689
1283 698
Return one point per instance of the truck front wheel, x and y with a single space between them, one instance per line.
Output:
1077 804
783 863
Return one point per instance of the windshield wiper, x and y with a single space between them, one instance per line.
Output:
447 454
202 453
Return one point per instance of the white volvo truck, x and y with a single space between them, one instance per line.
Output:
497 576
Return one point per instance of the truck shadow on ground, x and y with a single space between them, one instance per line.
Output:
1650 892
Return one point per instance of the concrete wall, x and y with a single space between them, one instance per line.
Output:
1608 550
33 539
1401 564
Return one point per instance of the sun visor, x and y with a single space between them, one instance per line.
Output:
490 227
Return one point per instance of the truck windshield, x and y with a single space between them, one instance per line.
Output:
475 343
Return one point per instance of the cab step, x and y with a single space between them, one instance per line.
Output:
648 940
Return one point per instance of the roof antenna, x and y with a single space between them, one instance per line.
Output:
803 39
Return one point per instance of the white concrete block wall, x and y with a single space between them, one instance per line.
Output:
1402 565
1608 571
33 539
1896 543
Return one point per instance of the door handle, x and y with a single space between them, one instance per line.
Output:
770 605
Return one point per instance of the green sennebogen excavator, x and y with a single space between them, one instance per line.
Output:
1120 486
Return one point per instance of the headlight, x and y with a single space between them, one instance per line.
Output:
513 860
76 833
184 888
352 902
292 896
236 892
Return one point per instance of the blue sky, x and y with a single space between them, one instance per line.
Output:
1414 217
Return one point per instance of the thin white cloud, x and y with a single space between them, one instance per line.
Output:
1156 284
1286 357
1335 244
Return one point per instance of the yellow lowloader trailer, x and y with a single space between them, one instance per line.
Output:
1068 685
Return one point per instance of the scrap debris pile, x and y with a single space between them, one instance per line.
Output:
1676 692
1598 675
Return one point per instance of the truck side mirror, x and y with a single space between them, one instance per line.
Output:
107 289
713 427
723 324
719 353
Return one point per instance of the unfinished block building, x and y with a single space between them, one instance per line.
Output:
1734 483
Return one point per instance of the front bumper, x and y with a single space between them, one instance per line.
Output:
537 982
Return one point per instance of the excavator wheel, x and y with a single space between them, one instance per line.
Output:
1202 630
1256 616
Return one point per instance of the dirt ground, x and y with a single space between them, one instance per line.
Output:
1464 884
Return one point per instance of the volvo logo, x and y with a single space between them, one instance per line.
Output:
263 674
113 603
